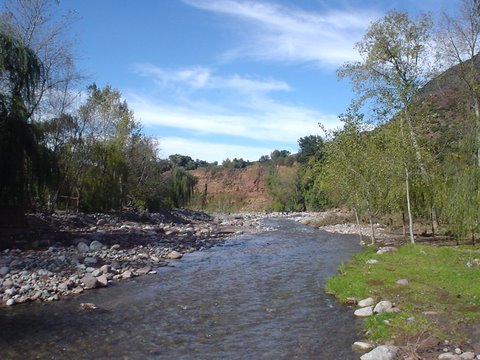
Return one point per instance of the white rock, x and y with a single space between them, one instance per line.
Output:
372 261
448 356
383 352
386 249
383 306
402 282
10 302
362 346
364 312
366 302
174 255
467 355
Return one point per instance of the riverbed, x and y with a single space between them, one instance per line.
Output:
257 296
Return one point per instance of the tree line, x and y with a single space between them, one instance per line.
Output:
409 147
62 150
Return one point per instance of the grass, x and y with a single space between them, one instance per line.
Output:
443 293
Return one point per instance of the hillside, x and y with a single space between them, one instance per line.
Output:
224 189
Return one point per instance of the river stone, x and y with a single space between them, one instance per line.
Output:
382 352
364 312
102 280
386 249
4 270
7 284
362 346
36 296
127 274
90 260
144 270
89 282
101 222
449 356
10 302
366 302
105 268
97 272
383 306
63 286
402 282
82 247
174 255
96 245
468 355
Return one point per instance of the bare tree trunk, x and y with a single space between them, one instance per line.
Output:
359 228
476 108
434 220
409 211
372 228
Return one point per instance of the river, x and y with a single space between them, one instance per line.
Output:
255 297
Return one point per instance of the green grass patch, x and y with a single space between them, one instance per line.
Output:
443 290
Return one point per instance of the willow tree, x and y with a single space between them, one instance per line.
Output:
183 184
394 66
21 164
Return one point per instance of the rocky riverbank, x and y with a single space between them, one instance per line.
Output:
59 255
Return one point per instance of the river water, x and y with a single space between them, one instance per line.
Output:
256 297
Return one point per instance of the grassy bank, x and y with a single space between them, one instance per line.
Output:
441 299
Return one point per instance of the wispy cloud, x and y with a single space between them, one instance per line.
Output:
201 78
267 120
285 33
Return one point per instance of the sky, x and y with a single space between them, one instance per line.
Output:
217 79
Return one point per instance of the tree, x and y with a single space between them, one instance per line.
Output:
459 41
20 73
395 65
310 146
37 24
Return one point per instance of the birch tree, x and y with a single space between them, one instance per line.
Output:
395 64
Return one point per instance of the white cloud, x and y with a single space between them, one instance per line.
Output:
209 151
266 120
199 77
277 32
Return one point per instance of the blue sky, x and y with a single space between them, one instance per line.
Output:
227 78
